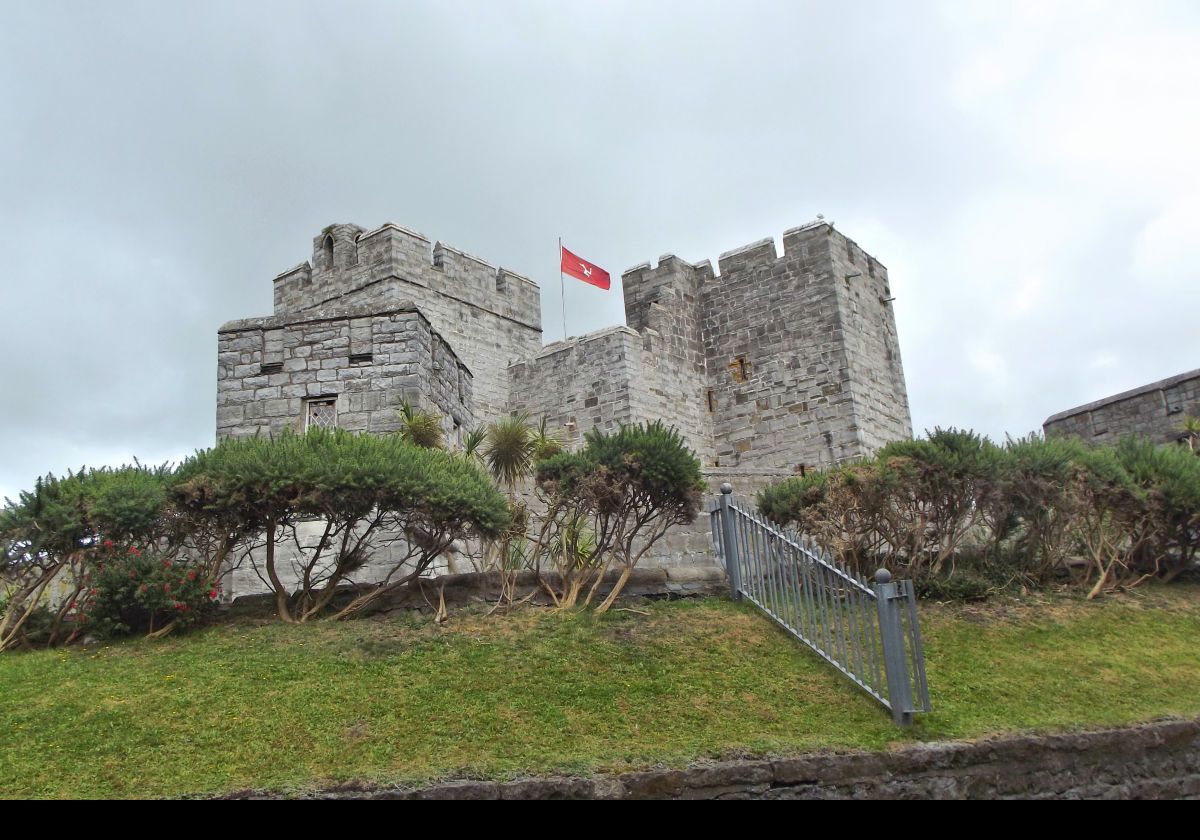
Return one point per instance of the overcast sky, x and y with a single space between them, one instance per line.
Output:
1029 173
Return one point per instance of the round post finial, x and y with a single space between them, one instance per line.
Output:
726 488
883 576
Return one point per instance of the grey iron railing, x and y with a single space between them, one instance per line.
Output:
868 631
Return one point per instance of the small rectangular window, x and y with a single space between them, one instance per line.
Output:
712 401
271 367
360 358
321 413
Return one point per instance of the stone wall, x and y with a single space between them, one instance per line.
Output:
775 362
798 364
1156 411
490 316
599 380
665 304
367 360
692 545
868 324
247 576
1152 761
769 365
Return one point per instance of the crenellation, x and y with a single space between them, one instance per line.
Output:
760 254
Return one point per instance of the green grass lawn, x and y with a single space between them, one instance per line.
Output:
268 706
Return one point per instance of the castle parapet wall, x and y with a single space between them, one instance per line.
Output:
1156 411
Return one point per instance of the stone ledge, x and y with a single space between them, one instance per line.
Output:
1158 760
462 590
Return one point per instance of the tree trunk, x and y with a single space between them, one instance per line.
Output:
616 591
281 595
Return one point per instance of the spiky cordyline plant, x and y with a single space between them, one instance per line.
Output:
509 449
421 428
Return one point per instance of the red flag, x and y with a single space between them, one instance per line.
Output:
583 270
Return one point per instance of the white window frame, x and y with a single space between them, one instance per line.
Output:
310 404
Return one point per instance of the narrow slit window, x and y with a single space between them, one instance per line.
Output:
360 358
740 369
712 400
271 367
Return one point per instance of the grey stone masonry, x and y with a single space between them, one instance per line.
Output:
802 354
1156 411
352 367
602 379
490 316
774 363
768 361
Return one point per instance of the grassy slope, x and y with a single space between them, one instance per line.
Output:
272 706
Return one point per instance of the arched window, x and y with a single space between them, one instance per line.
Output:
327 252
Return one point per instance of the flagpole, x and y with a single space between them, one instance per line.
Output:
562 289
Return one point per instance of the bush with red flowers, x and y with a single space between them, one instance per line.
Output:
135 590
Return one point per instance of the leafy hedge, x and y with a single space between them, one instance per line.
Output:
962 515
610 502
368 491
53 538
141 549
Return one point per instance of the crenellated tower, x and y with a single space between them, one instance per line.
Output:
490 316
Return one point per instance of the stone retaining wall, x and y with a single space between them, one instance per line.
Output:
460 590
1152 761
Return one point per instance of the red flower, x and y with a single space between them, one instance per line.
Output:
166 587
134 552
108 544
212 594
192 574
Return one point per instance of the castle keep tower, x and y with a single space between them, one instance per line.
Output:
490 316
376 318
770 365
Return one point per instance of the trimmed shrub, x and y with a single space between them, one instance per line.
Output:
136 591
618 496
1031 511
368 491
50 539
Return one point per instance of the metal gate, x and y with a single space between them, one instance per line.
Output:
868 631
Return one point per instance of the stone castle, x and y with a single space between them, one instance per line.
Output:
768 364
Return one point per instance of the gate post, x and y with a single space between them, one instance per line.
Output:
733 565
895 657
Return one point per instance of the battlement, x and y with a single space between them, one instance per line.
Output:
801 241
347 260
